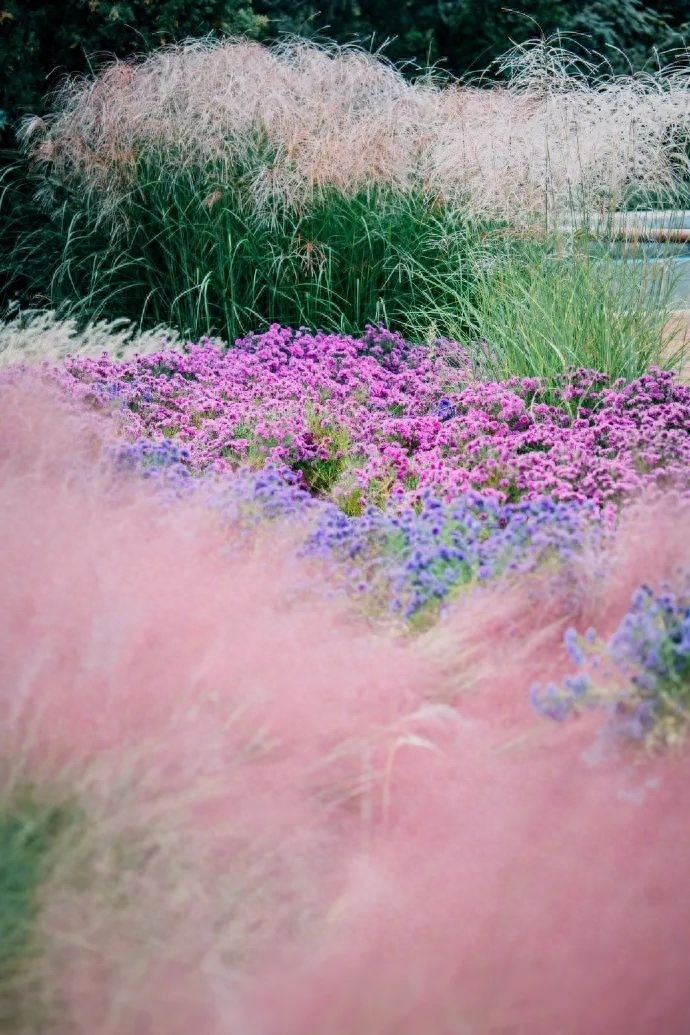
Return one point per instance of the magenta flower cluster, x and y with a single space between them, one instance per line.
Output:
371 419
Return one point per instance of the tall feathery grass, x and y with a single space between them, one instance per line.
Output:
297 119
223 186
34 336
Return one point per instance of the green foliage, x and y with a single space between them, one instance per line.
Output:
536 313
31 827
40 42
322 474
190 247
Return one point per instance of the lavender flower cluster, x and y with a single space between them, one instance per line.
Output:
247 496
416 558
409 560
363 421
641 675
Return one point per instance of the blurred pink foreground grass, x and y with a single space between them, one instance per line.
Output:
297 824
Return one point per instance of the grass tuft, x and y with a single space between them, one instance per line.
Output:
223 186
33 825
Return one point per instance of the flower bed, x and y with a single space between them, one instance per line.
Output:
365 421
410 481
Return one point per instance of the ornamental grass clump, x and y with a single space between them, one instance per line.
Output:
36 336
538 314
222 186
298 119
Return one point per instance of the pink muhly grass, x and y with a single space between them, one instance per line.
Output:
286 830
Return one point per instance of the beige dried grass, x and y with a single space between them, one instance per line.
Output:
298 117
35 336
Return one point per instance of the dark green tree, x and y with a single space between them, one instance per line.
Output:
465 36
41 41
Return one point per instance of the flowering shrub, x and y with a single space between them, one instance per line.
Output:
363 421
641 675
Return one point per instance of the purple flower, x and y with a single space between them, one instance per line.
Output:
375 414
